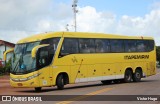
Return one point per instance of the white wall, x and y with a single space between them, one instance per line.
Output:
2 50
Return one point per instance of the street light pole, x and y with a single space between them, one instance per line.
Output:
67 27
75 11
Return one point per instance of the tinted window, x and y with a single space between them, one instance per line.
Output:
53 43
43 57
150 45
142 45
86 45
102 45
70 46
52 47
117 46
130 45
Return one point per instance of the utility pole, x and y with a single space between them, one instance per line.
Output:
75 11
67 27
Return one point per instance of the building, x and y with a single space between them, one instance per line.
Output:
4 45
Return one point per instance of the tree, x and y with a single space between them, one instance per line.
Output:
158 53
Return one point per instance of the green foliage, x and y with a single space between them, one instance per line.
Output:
158 53
1 71
6 68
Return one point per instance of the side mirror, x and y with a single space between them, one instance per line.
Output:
6 52
34 50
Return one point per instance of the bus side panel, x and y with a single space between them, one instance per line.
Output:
152 63
74 73
119 70
108 72
95 72
59 69
61 65
82 75
45 76
152 68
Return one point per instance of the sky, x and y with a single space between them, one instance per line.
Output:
23 18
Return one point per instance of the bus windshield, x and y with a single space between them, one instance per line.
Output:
22 62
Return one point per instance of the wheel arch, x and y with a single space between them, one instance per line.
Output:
65 76
140 69
128 68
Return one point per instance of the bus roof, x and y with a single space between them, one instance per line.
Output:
42 36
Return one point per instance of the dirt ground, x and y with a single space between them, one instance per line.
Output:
4 82
4 79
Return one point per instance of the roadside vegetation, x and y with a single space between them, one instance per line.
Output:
5 69
158 56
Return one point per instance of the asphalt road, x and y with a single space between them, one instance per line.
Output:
148 86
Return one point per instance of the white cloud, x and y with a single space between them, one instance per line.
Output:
26 17
22 18
92 21
155 5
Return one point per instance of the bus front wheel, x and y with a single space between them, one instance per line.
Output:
60 82
128 76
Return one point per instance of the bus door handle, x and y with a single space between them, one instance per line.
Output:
79 71
94 70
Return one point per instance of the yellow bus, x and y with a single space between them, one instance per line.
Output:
60 58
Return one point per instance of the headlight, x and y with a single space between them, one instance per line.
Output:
30 77
25 79
33 76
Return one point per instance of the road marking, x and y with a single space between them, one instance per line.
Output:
82 96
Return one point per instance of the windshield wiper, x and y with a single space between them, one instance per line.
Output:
17 64
15 68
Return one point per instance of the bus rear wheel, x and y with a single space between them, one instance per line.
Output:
117 81
38 89
137 76
128 76
60 82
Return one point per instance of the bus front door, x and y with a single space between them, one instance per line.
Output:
44 67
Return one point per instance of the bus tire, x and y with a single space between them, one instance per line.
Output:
106 82
128 76
38 89
60 82
137 76
117 81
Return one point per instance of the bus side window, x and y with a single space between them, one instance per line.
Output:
102 45
42 59
52 47
142 46
99 46
130 45
107 45
86 45
70 46
117 45
150 45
